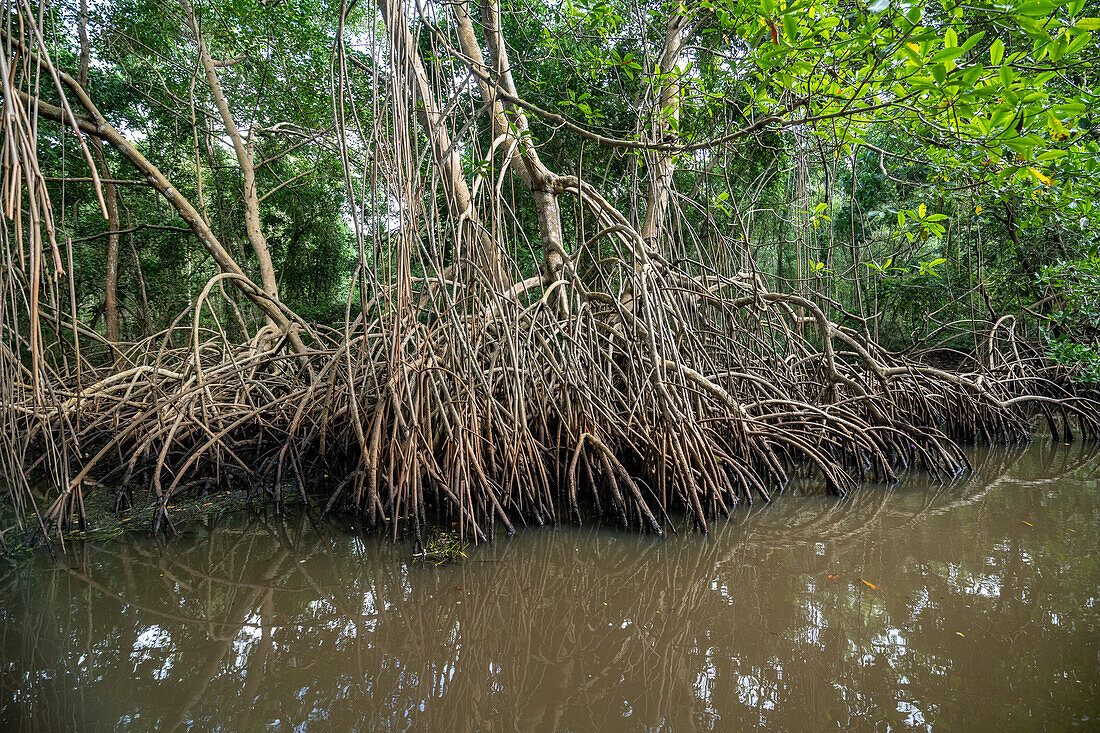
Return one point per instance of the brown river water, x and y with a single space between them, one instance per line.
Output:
972 606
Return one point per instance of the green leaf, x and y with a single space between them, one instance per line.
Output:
948 54
1033 29
790 27
972 74
973 41
1070 108
997 52
1078 43
1036 8
1089 24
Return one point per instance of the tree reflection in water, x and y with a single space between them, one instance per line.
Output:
977 620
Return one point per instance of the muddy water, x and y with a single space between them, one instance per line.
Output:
972 606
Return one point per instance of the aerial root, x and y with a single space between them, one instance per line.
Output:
686 402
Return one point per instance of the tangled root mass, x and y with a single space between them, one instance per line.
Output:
679 394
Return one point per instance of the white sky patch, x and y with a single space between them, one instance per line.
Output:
153 643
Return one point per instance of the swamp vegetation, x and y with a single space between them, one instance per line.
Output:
484 264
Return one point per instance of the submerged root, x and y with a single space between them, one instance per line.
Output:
677 395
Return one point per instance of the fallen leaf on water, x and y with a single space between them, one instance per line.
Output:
959 633
872 586
833 577
1028 523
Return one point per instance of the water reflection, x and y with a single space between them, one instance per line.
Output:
970 605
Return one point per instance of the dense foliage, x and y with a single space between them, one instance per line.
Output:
919 164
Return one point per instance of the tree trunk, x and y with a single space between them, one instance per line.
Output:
545 186
99 127
405 57
663 128
110 193
243 150
110 295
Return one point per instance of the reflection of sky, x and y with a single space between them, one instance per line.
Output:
251 632
153 643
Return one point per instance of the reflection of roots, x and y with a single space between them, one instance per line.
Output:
676 393
836 523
